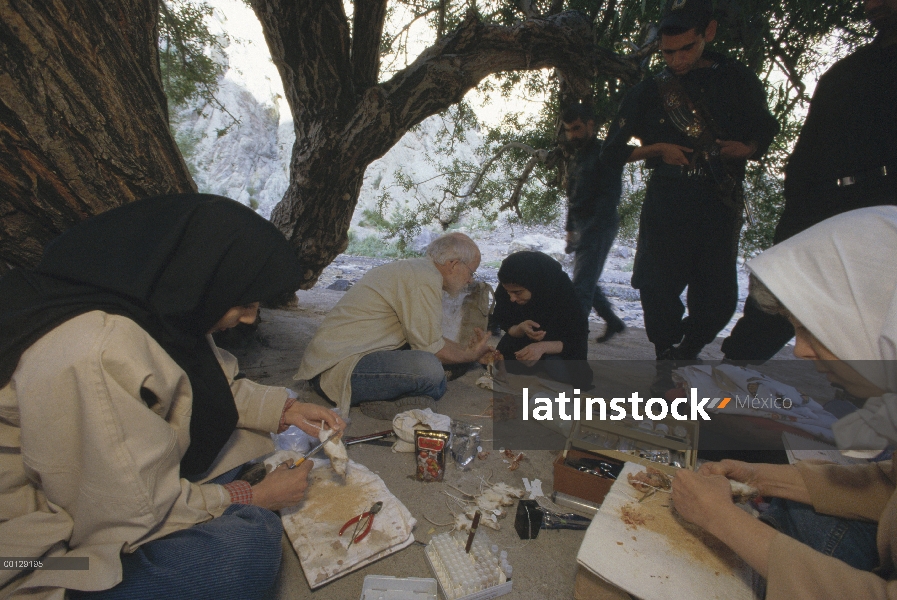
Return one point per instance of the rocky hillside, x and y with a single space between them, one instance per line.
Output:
243 153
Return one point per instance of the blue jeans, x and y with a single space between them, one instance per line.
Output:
389 374
853 542
236 555
591 253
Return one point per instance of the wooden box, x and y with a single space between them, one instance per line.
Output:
576 483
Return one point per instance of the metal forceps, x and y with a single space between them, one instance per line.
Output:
604 470
369 515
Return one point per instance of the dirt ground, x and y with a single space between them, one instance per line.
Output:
544 567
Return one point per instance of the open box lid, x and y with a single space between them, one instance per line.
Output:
686 445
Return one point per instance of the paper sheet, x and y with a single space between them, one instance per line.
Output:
313 526
798 448
651 565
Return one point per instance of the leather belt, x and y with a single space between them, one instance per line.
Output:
864 175
679 172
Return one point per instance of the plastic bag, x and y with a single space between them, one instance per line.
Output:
465 443
293 439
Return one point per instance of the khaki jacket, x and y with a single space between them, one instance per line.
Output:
88 469
865 492
392 305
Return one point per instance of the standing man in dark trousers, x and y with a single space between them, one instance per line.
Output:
699 121
844 159
593 193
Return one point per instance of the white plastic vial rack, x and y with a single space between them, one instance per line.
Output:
482 573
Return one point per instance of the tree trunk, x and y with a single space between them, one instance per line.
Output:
83 117
342 125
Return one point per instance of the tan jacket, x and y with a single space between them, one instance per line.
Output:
87 469
855 492
395 304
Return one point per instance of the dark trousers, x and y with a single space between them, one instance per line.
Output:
757 336
591 253
687 238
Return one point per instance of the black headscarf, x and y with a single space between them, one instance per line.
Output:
174 265
553 304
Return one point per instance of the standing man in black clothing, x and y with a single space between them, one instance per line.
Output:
593 193
698 121
844 159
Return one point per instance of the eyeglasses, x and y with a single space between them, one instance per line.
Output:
473 273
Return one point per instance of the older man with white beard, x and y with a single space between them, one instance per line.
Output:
381 347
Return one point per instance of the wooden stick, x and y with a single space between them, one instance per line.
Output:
473 531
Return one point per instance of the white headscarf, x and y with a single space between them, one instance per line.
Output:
839 279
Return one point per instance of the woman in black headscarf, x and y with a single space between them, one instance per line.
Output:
114 401
546 330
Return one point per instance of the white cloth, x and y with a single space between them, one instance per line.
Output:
330 500
839 279
452 315
740 384
405 423
485 382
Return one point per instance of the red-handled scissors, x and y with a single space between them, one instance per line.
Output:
369 515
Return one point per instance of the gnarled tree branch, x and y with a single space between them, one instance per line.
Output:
309 43
336 139
444 73
788 65
367 29
488 165
514 200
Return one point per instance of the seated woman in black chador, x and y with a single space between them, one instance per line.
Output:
546 329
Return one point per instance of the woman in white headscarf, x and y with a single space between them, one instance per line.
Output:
837 282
